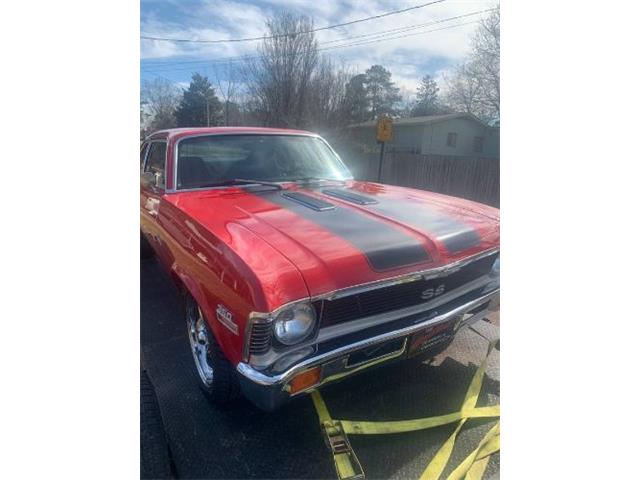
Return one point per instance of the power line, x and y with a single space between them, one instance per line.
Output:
400 36
394 12
409 27
156 74
378 34
354 44
377 37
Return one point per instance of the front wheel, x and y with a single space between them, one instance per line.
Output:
216 376
145 248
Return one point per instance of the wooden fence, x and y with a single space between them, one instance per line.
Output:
475 178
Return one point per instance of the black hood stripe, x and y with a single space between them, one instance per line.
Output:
455 235
384 245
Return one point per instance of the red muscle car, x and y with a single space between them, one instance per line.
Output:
294 274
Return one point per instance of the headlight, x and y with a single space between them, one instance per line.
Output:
294 324
495 268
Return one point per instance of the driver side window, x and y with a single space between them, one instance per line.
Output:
143 154
156 161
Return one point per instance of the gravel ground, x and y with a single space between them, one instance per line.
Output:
241 441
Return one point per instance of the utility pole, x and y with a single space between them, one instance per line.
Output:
380 161
384 134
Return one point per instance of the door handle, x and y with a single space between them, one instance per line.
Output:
152 206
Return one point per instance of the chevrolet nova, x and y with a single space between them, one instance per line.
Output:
295 275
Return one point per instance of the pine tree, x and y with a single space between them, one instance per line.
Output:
356 101
426 98
199 106
382 93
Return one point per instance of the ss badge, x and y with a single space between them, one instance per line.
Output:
432 292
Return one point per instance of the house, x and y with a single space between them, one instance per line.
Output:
460 134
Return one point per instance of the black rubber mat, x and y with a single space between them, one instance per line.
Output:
243 442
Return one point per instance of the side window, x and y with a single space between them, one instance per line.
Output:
478 144
155 160
452 139
143 150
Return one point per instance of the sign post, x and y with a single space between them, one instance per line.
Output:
384 134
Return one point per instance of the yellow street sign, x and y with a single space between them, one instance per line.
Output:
384 131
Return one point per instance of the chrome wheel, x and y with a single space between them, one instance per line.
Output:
199 340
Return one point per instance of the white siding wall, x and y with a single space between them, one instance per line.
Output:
435 138
407 138
432 138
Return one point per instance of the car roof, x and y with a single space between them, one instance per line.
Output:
176 133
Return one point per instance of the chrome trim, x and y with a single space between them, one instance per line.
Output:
426 274
146 158
465 322
345 328
196 135
334 331
354 367
225 317
351 369
199 342
270 357
260 378
411 277
308 204
254 317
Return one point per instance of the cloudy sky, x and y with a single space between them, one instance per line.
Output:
411 44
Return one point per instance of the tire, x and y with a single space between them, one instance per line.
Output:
217 378
145 248
154 450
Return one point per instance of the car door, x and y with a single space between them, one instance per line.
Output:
152 188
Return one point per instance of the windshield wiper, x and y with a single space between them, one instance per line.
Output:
237 181
249 181
316 179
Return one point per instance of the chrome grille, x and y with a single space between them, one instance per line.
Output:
395 297
260 338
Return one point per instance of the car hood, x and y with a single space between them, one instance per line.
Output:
339 236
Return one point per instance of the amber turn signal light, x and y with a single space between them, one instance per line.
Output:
304 380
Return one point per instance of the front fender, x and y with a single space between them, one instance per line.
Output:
243 275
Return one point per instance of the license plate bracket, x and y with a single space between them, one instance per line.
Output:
376 352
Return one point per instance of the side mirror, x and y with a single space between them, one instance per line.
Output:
147 179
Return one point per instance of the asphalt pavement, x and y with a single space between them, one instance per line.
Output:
240 441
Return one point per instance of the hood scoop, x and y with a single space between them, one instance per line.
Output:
349 196
309 201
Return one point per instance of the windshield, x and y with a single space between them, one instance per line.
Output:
216 159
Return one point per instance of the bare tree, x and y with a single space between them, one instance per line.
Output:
160 98
475 85
327 104
279 79
486 59
464 92
229 89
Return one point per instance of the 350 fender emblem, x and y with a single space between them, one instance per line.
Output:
225 317
432 292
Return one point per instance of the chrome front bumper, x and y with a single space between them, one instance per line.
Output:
271 391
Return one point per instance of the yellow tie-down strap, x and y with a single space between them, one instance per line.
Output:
472 468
